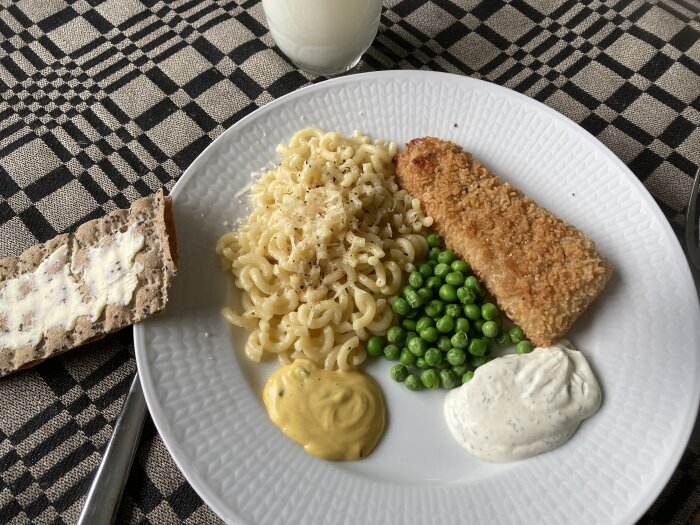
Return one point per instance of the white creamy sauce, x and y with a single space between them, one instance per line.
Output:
50 296
322 33
518 406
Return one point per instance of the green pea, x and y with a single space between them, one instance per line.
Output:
458 265
444 365
478 325
446 257
472 311
489 329
430 378
466 295
415 279
396 334
448 379
409 325
443 343
398 373
460 370
417 346
441 270
434 308
433 357
406 357
424 322
453 310
477 360
460 340
412 314
477 347
454 278
473 283
420 363
375 346
425 294
426 270
456 356
445 324
523 347
467 376
433 253
503 339
414 300
429 334
447 293
392 352
433 283
411 335
407 289
434 240
413 383
516 334
461 324
489 311
400 306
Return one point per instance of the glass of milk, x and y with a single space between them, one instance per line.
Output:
323 37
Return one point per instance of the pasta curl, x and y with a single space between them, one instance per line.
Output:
320 257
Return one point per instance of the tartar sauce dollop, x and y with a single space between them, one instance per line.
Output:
518 406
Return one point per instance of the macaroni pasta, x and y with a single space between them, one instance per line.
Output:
323 251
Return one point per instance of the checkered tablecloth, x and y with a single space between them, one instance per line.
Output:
103 102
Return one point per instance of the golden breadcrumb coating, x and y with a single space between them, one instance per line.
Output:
542 271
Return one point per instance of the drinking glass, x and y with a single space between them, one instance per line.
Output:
323 37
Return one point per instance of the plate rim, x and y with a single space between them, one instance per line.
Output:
160 420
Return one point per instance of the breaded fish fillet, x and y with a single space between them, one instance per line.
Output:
542 271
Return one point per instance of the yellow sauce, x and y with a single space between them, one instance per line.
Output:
334 415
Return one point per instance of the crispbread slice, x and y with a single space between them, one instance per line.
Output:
150 217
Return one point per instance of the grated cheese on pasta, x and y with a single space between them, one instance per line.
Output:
322 253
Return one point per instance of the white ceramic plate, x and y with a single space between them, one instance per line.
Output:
640 336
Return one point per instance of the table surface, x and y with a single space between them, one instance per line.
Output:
104 102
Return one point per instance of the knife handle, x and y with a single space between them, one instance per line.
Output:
102 502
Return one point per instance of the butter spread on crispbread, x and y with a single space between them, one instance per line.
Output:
51 295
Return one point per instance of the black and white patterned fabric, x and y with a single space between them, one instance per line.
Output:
104 102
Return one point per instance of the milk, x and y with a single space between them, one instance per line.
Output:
323 37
